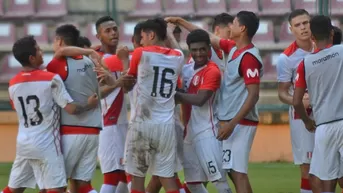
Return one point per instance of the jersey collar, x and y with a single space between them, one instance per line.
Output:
317 49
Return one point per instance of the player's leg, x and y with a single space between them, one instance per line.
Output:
302 147
325 165
86 165
155 185
128 180
111 153
236 150
21 176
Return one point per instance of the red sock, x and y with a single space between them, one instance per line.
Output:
85 189
305 184
176 191
52 191
128 178
6 190
178 182
186 188
135 191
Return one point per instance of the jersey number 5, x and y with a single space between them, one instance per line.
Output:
163 82
28 100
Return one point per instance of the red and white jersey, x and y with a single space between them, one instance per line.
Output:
36 96
217 56
114 105
157 70
199 120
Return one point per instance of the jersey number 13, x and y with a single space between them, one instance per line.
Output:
23 103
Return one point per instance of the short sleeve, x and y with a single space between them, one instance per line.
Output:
113 63
283 69
58 66
226 45
59 92
211 79
250 69
300 80
135 60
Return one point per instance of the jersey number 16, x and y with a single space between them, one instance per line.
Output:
163 81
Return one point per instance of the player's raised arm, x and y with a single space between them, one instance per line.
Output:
171 40
64 100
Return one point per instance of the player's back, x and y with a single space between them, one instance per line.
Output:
324 77
157 76
38 114
81 83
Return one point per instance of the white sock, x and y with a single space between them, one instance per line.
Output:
106 188
305 191
93 191
222 187
129 186
182 190
197 188
122 188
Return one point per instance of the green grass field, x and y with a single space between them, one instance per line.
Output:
264 177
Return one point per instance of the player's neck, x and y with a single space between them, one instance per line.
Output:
108 49
323 44
242 42
28 69
305 45
197 66
159 43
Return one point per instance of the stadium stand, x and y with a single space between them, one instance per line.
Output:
20 9
210 7
275 7
179 7
147 8
7 35
39 30
51 8
238 5
309 5
336 7
126 32
91 33
265 32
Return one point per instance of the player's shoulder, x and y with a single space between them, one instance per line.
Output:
212 68
33 76
163 50
290 50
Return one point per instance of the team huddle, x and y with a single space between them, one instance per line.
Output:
195 114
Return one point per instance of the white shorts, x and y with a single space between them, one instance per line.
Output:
327 158
48 173
302 141
80 155
111 147
236 148
151 146
203 160
179 146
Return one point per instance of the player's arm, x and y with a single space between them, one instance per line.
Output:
73 51
250 70
299 92
64 100
127 81
285 75
170 37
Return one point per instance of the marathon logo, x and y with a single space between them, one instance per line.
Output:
327 57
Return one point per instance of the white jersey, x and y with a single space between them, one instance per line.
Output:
157 70
36 95
217 56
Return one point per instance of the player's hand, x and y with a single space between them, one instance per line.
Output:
310 125
225 131
93 101
104 75
170 28
126 81
123 52
172 19
96 58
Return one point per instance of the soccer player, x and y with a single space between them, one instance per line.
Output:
84 42
151 138
337 36
36 95
321 74
287 64
80 132
108 35
202 151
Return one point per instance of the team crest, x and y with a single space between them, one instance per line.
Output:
196 80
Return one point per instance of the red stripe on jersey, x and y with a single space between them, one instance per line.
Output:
291 49
79 130
31 76
162 50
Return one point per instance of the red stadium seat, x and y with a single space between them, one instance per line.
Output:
210 7
308 5
91 34
39 30
52 8
147 8
269 65
20 9
275 7
285 33
336 7
7 34
265 33
126 32
1 7
179 7
236 6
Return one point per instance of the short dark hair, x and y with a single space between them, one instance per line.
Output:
177 30
321 27
69 33
297 13
24 48
157 25
102 20
137 32
337 36
198 35
222 19
84 42
250 21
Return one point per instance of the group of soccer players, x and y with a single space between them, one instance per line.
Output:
195 114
